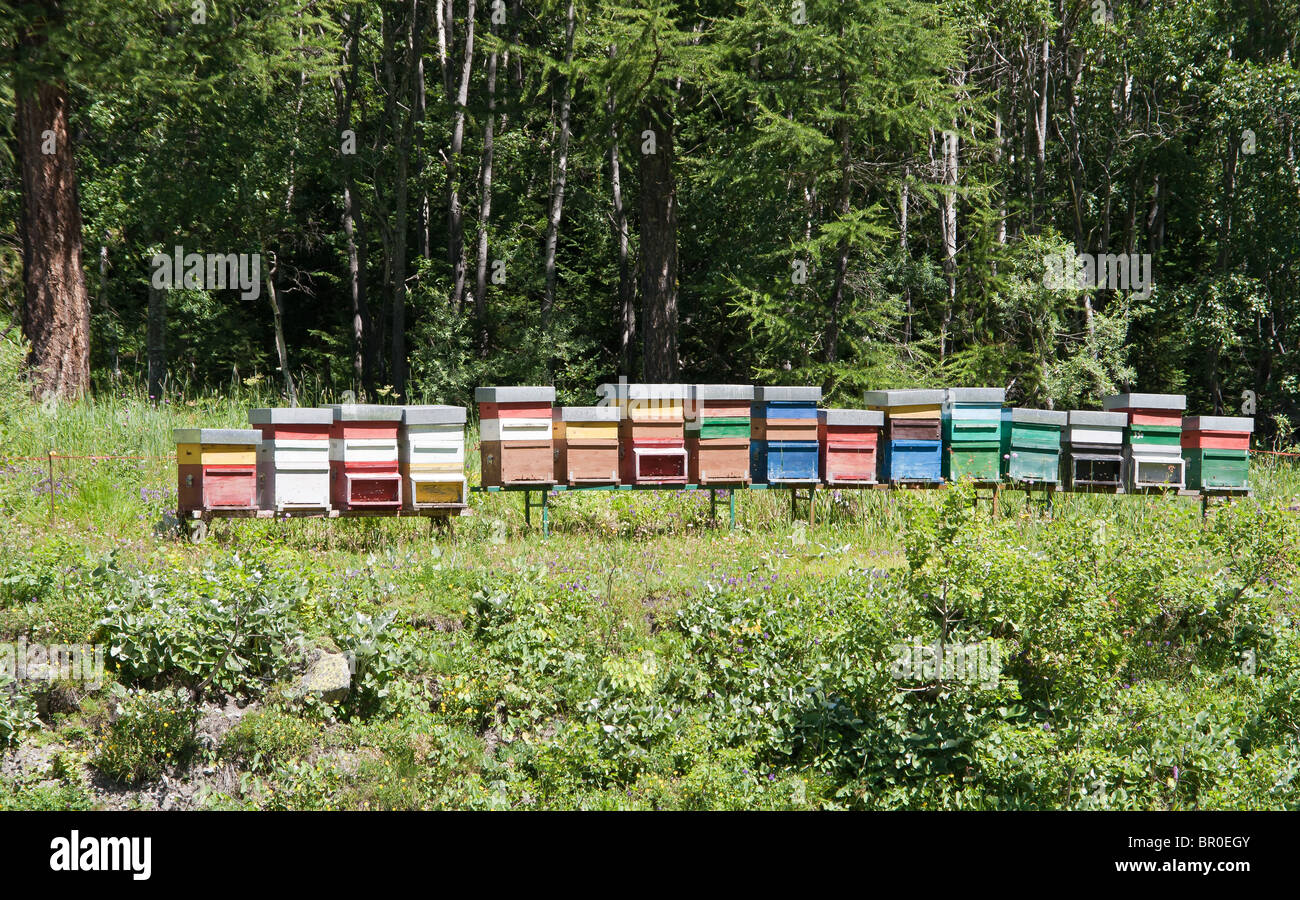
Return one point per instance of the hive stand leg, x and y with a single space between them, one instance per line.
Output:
731 494
997 492
713 507
546 515
528 508
812 506
792 506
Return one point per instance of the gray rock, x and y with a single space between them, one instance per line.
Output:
328 674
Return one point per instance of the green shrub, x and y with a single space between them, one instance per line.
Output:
17 712
148 733
228 628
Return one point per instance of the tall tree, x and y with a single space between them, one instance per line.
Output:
56 305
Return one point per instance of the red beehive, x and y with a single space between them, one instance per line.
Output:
652 438
849 440
364 472
216 468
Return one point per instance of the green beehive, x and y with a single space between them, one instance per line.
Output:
972 426
1031 444
1216 450
1216 468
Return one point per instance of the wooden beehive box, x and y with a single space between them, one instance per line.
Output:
784 447
972 421
364 454
718 432
587 453
913 433
849 441
216 468
1031 444
293 458
1216 450
516 435
652 431
1153 440
431 457
1092 448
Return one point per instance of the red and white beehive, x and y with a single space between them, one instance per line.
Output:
293 458
850 439
516 446
364 471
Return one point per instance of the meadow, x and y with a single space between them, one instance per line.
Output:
641 657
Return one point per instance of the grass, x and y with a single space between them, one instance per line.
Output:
488 713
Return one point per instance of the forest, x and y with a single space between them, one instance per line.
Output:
859 195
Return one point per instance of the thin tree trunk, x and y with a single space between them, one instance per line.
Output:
949 228
362 340
156 342
658 215
455 215
404 130
56 305
561 172
277 318
843 204
626 288
108 310
485 204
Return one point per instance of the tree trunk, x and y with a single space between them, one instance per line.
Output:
949 227
277 318
362 340
156 342
455 215
485 205
626 289
56 305
843 204
561 173
658 215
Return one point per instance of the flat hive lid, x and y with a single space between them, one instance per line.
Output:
1097 418
906 397
434 414
216 436
1145 401
1219 423
865 418
1039 416
589 413
723 391
626 391
365 412
976 395
789 394
300 415
515 394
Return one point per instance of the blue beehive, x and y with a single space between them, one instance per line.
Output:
784 446
913 439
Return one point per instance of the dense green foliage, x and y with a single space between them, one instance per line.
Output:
866 191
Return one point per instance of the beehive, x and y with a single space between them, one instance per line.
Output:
1216 450
431 457
912 448
1031 445
216 468
1153 439
1092 451
651 431
718 433
784 445
516 441
586 440
364 455
293 458
849 440
972 422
